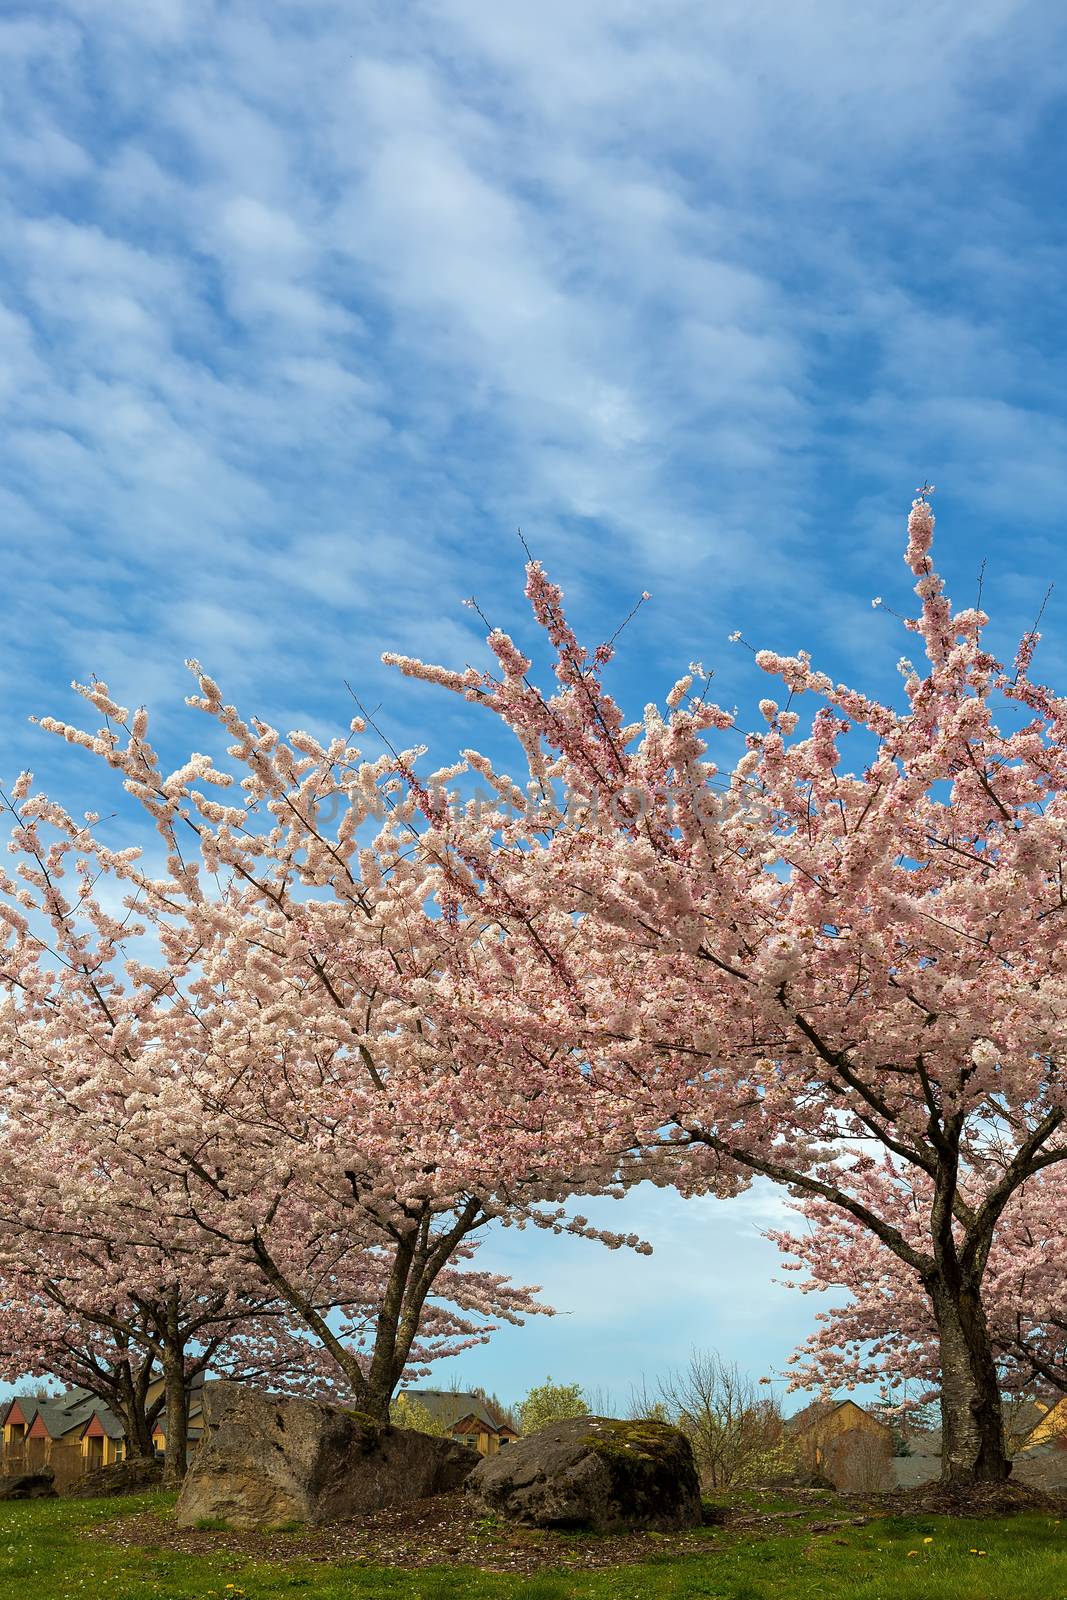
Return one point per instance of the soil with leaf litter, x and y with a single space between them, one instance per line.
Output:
446 1530
449 1530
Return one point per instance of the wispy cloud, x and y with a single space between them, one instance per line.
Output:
304 308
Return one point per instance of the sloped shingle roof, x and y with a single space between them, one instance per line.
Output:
444 1405
819 1410
74 1408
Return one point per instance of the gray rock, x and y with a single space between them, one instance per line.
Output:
40 1485
122 1477
596 1473
268 1460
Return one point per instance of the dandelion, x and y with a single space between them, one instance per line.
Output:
929 1539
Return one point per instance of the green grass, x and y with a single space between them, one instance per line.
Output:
44 1555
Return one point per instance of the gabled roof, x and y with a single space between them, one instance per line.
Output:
74 1409
820 1410
108 1423
448 1407
27 1405
69 1412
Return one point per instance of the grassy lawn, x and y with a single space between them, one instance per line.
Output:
45 1555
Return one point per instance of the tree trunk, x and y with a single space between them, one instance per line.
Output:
130 1402
136 1428
176 1458
972 1421
382 1375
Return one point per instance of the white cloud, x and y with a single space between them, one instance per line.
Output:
304 308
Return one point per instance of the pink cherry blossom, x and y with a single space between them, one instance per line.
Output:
844 959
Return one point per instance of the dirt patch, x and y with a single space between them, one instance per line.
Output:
444 1531
981 1500
449 1531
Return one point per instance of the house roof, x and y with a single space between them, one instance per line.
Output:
27 1404
449 1407
69 1412
819 1410
74 1409
1029 1414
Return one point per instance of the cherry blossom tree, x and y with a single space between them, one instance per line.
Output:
39 1339
103 1285
775 962
120 1349
269 1032
885 1332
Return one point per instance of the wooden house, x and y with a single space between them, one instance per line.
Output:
841 1440
465 1417
74 1432
1038 1422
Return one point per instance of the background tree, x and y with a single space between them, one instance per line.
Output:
105 1289
408 1411
551 1402
293 1062
39 1338
736 1431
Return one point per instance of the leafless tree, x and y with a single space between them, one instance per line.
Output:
735 1430
859 1461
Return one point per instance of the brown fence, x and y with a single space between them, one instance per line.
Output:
34 1455
858 1461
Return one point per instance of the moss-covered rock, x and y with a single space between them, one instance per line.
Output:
133 1476
40 1485
596 1473
269 1460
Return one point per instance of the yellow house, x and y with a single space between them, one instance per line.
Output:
70 1432
75 1432
824 1420
17 1414
1038 1421
466 1417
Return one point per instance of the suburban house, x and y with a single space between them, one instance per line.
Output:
465 1417
845 1444
74 1432
1038 1422
823 1420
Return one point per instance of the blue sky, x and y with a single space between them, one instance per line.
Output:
305 307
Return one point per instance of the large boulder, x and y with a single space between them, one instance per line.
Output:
596 1473
132 1476
38 1485
268 1460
